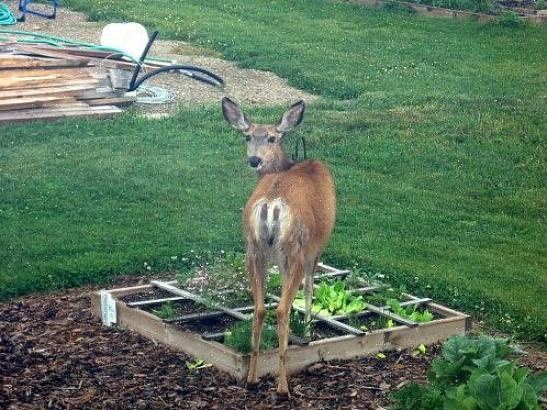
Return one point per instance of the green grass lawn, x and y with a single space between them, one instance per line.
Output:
434 129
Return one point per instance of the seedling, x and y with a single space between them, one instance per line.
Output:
420 350
298 325
196 364
166 311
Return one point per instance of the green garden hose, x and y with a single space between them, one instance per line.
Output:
39 38
6 17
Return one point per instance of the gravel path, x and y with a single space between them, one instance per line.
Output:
250 87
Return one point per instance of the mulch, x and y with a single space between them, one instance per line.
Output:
55 354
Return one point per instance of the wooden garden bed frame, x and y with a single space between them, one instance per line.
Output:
299 355
537 17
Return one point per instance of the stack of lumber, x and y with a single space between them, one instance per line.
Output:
40 82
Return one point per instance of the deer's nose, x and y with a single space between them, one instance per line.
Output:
254 162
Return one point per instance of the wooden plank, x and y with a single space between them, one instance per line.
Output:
71 90
10 104
101 92
46 83
153 301
120 101
212 314
8 61
131 290
341 348
391 315
107 58
55 53
62 72
57 113
427 333
198 299
330 269
79 52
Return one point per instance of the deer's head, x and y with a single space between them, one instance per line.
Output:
264 150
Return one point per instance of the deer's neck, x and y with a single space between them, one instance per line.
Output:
281 164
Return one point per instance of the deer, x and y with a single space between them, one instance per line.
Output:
287 221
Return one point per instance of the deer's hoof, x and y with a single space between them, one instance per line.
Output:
252 383
283 394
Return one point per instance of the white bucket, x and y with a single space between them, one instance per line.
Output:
128 37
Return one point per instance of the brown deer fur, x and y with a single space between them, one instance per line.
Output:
287 220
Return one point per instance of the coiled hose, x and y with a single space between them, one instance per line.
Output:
6 17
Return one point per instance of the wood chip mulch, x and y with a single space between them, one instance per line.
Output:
55 354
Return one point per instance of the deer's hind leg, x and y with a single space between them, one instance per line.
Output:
256 269
291 284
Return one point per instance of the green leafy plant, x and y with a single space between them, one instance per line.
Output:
273 285
166 310
541 5
195 364
333 299
474 373
410 311
239 336
370 322
299 326
420 350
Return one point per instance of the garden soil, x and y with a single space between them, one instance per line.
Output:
55 354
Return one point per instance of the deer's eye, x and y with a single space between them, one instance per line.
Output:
247 138
271 140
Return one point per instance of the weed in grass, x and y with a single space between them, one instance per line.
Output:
511 19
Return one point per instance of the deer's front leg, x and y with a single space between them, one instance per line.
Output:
257 270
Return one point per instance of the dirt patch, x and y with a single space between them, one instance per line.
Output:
250 87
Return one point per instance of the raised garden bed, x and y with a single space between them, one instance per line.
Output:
530 15
197 326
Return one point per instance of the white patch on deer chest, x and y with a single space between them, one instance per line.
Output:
270 220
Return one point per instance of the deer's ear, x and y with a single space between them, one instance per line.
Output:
234 115
292 117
